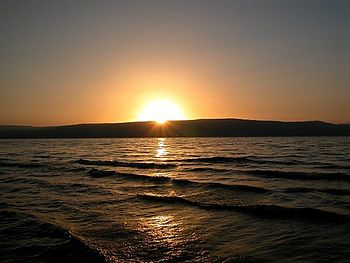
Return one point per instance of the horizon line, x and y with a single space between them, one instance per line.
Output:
179 120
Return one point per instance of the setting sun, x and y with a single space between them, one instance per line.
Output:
161 111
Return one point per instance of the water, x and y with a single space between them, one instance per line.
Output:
175 200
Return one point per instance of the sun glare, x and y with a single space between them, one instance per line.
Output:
161 111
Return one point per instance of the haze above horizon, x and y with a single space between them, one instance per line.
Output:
65 62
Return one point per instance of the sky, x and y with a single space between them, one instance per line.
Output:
67 62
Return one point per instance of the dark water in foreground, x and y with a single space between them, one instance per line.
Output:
175 200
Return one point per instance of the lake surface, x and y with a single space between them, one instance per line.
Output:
175 200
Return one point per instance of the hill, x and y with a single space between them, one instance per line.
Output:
187 128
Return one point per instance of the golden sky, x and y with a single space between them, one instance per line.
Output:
65 62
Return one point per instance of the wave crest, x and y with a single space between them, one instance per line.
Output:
261 210
179 182
299 175
139 165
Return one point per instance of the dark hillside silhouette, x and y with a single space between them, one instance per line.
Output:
189 128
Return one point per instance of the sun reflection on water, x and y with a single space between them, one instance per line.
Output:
164 228
161 150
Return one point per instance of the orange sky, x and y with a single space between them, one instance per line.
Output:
91 62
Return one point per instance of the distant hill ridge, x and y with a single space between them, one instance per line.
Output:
183 128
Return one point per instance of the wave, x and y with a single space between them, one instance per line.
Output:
332 166
338 176
131 176
238 159
206 169
77 169
139 165
44 242
291 175
20 165
260 210
332 191
180 182
23 183
4 205
45 156
216 159
101 173
76 188
258 160
211 185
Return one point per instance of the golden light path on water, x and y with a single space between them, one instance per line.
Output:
165 228
161 151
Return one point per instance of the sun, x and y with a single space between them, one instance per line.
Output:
161 111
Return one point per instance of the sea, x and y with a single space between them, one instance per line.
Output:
267 199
